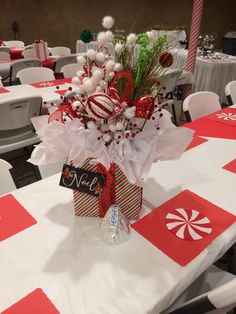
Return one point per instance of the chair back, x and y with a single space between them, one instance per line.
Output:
5 49
6 182
230 92
60 62
1 85
64 51
219 300
16 112
18 65
4 56
15 44
28 53
200 104
169 81
35 74
28 47
70 70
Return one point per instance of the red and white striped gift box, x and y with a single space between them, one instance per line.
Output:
128 197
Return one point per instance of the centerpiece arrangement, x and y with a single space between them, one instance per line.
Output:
110 127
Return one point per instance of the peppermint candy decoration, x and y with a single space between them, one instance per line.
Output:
188 224
100 106
227 116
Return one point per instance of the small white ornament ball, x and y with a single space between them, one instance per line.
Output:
109 35
100 57
81 60
102 38
130 112
108 22
75 80
112 127
91 125
88 86
119 126
107 137
110 66
118 67
131 39
91 54
119 48
150 35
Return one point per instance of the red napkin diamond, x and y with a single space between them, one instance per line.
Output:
61 92
184 226
13 217
3 90
195 142
231 166
225 116
34 303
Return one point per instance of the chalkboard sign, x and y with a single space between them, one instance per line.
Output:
82 180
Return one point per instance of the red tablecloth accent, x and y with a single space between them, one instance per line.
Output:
184 226
51 83
195 142
211 128
231 166
34 303
15 53
49 63
61 92
3 90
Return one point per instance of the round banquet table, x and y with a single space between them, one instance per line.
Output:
64 255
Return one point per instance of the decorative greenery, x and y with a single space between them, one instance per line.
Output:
86 36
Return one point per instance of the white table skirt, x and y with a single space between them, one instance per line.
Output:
208 75
63 254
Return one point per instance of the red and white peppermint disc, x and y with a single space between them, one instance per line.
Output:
226 116
188 224
100 106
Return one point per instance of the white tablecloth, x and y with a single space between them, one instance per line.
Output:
63 254
173 37
209 75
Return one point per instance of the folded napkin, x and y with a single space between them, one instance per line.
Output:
34 303
231 166
13 217
3 90
226 116
184 226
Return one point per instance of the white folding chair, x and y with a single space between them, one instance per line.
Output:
213 292
169 82
18 65
70 70
200 104
28 53
15 125
6 181
36 74
60 62
15 44
4 56
230 92
5 49
64 51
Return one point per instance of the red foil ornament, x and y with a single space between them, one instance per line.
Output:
144 107
166 59
128 90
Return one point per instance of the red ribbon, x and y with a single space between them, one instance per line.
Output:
58 114
108 196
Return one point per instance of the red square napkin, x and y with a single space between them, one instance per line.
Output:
51 83
195 142
231 166
13 217
226 116
184 226
34 303
3 90
61 92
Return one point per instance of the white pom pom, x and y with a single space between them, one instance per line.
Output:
76 105
91 54
102 38
103 84
111 75
80 89
81 60
109 35
98 74
75 80
80 73
119 126
91 125
130 112
107 137
88 86
108 22
110 66
112 127
100 57
67 93
150 35
119 48
131 39
118 67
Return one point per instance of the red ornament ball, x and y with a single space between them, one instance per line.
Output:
166 59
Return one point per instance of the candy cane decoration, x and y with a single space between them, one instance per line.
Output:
188 224
100 47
